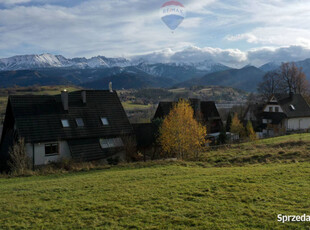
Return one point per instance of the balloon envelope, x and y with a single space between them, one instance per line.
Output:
172 14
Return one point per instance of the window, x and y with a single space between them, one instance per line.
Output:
79 122
104 121
51 149
277 109
111 143
65 123
267 121
104 143
270 109
292 107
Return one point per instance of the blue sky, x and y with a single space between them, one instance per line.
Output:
231 32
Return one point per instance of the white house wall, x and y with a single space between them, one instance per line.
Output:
41 159
298 123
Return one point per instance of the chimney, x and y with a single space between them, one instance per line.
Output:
291 94
65 99
110 87
83 94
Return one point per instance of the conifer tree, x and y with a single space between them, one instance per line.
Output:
228 123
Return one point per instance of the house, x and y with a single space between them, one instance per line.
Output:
146 134
252 113
281 114
83 125
204 111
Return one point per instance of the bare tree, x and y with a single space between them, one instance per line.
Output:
288 79
270 85
293 80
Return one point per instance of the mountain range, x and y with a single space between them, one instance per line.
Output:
97 72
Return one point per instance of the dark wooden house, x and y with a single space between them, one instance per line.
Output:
204 111
83 125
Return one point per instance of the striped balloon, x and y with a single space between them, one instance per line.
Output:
172 13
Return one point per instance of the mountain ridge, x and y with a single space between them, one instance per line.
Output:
96 72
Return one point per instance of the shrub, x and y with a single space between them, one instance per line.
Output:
113 161
130 146
19 162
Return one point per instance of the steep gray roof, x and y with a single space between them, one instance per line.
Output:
89 149
208 110
38 118
302 108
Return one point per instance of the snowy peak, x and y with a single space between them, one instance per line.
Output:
31 61
209 65
178 71
23 62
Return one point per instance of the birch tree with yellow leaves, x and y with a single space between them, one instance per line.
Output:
181 135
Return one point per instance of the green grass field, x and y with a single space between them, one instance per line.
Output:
160 197
131 106
285 149
170 195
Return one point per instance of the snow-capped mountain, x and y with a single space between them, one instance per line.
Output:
26 62
181 71
32 61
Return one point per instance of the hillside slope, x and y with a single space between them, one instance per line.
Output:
129 81
246 79
163 195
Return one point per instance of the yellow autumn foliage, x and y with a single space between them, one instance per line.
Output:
181 135
250 131
237 127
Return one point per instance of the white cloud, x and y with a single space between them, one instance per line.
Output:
131 27
274 36
13 2
192 54
230 57
191 23
272 22
196 54
283 54
200 7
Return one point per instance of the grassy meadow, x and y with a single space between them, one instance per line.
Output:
284 149
129 106
169 195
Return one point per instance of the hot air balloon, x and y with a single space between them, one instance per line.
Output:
172 13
